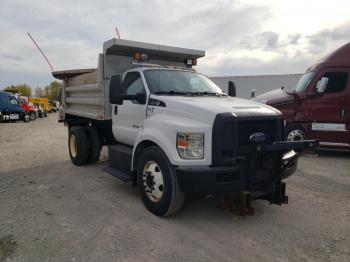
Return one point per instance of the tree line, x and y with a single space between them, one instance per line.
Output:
50 91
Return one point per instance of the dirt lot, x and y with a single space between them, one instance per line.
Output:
51 210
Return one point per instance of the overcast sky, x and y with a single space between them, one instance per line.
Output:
239 37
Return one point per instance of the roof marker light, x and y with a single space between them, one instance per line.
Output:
140 57
191 62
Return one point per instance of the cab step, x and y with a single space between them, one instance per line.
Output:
118 174
119 162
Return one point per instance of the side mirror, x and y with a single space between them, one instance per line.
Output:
115 90
141 97
117 94
231 88
321 85
252 94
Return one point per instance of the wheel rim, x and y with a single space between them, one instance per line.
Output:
153 182
26 118
32 116
73 145
296 135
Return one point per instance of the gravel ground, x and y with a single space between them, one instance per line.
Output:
51 210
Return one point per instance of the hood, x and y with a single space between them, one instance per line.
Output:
274 97
209 106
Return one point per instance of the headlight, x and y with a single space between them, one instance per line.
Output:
190 145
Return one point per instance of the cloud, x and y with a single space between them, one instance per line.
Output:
71 35
11 57
234 35
326 39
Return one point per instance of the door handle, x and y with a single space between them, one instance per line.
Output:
116 110
343 111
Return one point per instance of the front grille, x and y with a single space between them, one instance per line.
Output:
231 136
249 127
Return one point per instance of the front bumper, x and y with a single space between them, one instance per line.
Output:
261 172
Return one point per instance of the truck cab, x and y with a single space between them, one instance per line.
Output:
28 107
171 131
10 108
318 108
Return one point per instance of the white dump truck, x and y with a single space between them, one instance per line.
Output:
171 131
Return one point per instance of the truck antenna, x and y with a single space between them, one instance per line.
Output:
116 29
47 60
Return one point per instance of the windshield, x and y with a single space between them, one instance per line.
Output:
176 82
304 82
22 101
13 101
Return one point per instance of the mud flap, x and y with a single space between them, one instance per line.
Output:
278 194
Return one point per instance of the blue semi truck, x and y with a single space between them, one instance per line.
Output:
10 109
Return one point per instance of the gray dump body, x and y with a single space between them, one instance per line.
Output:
86 91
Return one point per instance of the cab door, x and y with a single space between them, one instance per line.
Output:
329 111
129 116
4 103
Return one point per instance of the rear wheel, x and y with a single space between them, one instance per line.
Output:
158 183
295 132
78 144
95 144
45 114
32 116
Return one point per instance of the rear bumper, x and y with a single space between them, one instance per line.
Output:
261 173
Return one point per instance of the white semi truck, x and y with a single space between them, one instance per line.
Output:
171 130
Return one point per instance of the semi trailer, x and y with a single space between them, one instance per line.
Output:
171 131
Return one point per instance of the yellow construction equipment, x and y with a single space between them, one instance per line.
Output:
42 102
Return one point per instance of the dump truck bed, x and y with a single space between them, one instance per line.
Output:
82 94
86 91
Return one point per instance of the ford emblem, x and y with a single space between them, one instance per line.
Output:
257 138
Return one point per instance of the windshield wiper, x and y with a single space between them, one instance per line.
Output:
172 93
206 93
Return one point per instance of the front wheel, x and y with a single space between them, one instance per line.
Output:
295 132
158 183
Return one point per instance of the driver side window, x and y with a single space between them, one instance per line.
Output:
336 82
133 84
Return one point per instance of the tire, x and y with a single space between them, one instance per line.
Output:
295 132
78 145
45 114
95 144
26 118
32 116
166 198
